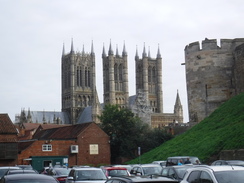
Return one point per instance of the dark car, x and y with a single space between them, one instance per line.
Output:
171 161
146 169
141 179
59 173
4 169
28 178
228 162
175 172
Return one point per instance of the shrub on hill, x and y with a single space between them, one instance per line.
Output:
222 130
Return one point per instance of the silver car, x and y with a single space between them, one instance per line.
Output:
86 175
214 174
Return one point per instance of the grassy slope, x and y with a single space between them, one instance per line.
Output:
222 130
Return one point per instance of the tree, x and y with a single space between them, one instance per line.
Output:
125 131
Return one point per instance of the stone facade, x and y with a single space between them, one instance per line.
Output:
213 75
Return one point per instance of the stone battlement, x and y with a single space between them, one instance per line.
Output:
211 44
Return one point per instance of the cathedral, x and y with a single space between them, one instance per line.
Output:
80 102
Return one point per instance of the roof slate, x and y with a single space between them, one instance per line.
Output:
61 133
6 125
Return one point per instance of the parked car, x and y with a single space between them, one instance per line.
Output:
85 175
115 171
228 162
26 167
146 169
175 172
128 167
161 163
21 171
27 178
59 173
171 161
4 169
141 179
214 174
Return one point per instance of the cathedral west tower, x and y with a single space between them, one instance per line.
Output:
78 82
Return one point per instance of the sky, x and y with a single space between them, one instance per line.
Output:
33 33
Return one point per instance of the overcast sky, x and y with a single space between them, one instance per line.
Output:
33 33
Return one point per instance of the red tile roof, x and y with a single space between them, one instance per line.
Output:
6 125
65 132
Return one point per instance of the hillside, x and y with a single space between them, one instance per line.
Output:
222 130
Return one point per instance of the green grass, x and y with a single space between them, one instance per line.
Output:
222 130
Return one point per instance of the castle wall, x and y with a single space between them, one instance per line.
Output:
209 75
239 68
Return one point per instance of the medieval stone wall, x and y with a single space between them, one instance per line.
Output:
210 75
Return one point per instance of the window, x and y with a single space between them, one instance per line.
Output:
193 177
46 147
205 178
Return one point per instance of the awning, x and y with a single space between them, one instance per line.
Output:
28 159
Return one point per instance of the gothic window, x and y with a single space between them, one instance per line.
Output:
69 79
120 77
154 75
106 78
115 73
78 76
120 72
87 77
140 76
149 74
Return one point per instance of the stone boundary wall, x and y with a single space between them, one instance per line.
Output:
232 154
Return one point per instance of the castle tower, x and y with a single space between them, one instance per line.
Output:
149 79
78 82
209 75
115 77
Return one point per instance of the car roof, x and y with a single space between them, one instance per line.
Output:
10 167
27 176
149 164
86 168
144 179
218 168
182 157
114 168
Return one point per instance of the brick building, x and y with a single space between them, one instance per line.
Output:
81 144
8 141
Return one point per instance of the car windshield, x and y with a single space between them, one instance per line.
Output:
230 176
117 172
90 175
64 171
3 172
152 170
